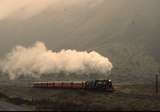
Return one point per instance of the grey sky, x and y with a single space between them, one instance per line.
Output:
79 24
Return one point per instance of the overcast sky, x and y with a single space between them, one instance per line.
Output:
76 24
29 8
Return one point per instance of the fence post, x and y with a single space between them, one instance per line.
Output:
156 84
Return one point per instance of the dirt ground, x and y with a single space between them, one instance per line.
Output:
125 97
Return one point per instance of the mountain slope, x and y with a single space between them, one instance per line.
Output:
125 31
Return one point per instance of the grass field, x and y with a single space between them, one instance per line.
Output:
125 97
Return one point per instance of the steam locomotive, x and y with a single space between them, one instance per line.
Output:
100 85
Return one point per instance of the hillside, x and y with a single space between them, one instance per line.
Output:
125 31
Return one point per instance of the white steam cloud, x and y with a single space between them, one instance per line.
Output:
37 60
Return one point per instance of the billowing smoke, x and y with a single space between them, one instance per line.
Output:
37 60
